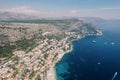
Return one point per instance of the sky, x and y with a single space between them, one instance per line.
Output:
107 9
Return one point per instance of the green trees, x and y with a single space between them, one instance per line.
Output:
23 44
6 50
38 77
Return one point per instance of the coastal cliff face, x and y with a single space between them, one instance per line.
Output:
30 49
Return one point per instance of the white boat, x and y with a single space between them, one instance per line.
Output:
94 41
112 43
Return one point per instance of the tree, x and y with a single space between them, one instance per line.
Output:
38 77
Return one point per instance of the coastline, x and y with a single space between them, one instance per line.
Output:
42 51
52 70
77 68
51 73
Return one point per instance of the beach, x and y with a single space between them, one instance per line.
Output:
51 73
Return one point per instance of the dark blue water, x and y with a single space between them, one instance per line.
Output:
92 60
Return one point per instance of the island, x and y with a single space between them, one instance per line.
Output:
29 49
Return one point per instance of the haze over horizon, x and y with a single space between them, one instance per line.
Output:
107 9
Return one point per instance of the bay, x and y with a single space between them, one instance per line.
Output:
92 58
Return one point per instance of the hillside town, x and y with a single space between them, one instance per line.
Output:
29 51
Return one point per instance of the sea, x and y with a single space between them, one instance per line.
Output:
93 58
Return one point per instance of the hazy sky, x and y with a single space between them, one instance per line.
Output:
108 9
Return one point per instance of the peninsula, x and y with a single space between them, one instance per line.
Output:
30 49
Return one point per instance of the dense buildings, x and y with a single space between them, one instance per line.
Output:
29 50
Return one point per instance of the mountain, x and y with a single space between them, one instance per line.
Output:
14 16
94 20
101 23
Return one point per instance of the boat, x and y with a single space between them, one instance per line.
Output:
112 43
94 41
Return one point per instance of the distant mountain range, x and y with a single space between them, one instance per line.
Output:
8 16
14 16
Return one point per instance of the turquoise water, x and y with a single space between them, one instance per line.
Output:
90 60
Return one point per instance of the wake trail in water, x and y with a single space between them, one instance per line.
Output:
114 76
